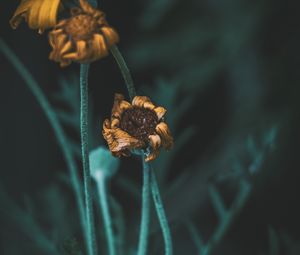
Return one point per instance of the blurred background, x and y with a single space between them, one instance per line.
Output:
227 71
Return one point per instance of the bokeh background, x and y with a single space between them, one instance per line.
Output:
228 73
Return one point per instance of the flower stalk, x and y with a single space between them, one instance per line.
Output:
101 180
124 70
84 69
161 215
145 219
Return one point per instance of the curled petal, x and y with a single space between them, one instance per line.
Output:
160 112
118 140
86 6
143 101
99 47
163 131
57 41
153 155
110 35
82 50
40 14
115 123
119 106
67 47
81 55
155 141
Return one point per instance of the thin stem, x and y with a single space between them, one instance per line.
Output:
238 204
161 215
105 212
145 219
124 70
84 69
56 126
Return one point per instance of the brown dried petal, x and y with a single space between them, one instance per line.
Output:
119 106
118 140
163 131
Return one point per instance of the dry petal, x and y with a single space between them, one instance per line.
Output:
160 112
119 106
118 140
155 141
89 36
153 155
136 126
163 131
110 35
143 101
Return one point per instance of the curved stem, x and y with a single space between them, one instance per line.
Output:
161 215
124 70
105 212
145 219
53 120
84 69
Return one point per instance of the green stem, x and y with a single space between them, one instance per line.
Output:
124 70
145 219
161 215
105 212
53 120
84 69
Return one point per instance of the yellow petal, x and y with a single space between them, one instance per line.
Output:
20 13
160 112
67 47
99 47
163 131
111 36
43 13
143 101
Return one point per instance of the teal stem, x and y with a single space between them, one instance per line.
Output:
145 219
84 70
124 70
101 181
161 215
56 126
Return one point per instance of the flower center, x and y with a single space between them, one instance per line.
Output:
81 27
139 122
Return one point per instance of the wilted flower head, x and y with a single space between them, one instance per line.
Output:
83 38
40 14
136 126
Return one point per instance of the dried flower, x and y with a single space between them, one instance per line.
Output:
83 38
40 14
136 126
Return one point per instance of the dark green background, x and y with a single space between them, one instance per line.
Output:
235 64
